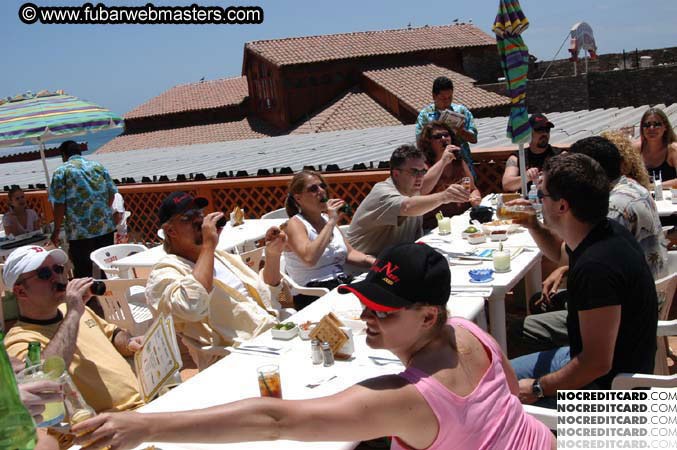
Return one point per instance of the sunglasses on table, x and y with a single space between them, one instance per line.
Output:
414 172
652 124
45 273
315 188
440 135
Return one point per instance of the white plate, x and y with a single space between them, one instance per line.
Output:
464 262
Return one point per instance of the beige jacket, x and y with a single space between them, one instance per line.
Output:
210 321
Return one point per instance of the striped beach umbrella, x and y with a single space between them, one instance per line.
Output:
48 115
510 22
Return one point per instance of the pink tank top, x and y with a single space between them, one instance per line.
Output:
490 417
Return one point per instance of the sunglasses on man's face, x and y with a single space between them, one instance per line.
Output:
45 273
315 188
437 136
415 172
652 124
191 215
541 195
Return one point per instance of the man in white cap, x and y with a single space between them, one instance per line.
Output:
52 312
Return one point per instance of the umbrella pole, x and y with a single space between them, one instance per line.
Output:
44 162
523 169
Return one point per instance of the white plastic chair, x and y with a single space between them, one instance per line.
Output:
104 256
124 304
277 214
297 288
665 288
253 258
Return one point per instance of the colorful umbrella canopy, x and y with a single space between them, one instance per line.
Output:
510 22
49 115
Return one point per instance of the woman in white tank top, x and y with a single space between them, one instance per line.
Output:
316 249
19 219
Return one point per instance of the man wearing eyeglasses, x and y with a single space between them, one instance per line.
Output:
216 300
536 153
612 307
52 312
392 212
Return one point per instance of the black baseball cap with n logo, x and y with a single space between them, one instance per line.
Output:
402 275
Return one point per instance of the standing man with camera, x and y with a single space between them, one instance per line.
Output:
82 194
443 93
52 312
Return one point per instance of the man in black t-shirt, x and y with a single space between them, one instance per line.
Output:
613 309
535 154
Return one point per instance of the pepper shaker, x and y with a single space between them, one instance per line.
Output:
327 354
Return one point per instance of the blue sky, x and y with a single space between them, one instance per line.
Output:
121 66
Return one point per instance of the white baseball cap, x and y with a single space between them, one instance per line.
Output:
26 259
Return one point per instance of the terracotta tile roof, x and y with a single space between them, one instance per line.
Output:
368 43
194 96
351 111
248 128
413 84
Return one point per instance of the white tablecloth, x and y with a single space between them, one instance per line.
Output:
234 377
229 239
666 207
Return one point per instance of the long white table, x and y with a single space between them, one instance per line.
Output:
234 377
665 207
229 239
526 265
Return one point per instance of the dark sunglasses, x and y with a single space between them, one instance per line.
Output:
45 273
379 314
315 188
652 125
191 215
542 130
415 172
440 135
541 195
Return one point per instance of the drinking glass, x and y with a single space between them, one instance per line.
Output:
54 411
269 381
465 182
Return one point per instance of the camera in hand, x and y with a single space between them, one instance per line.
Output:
222 221
98 288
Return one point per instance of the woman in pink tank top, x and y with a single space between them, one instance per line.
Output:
458 390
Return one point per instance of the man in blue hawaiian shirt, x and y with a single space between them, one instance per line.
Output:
82 194
443 92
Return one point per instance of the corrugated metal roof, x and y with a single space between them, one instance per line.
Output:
344 148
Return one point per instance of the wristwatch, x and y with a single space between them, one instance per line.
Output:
536 389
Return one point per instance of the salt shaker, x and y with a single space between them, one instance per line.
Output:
327 354
316 351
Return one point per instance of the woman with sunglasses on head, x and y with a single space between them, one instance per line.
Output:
19 219
457 390
316 249
445 167
658 146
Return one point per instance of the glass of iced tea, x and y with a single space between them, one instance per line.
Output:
269 381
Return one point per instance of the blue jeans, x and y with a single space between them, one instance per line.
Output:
536 365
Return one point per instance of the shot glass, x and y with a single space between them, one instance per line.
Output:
269 381
465 182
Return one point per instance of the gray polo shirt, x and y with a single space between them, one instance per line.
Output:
377 222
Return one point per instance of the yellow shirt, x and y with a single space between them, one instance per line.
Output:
103 376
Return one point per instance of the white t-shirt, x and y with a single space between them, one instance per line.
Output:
31 221
330 264
119 207
227 277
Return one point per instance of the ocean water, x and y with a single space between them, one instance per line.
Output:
94 141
